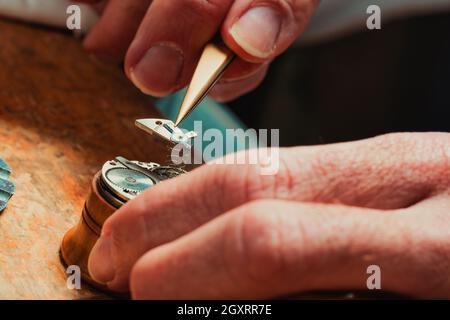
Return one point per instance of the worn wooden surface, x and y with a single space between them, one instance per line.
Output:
61 117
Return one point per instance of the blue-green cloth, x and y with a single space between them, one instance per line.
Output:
212 114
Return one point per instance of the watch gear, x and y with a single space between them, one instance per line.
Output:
122 180
129 179
7 188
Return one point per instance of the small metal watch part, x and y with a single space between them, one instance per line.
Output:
7 188
122 180
119 181
166 130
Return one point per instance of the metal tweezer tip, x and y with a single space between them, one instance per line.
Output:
216 57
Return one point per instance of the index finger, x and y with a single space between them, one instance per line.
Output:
168 44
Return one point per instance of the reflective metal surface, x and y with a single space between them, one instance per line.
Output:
166 130
7 188
216 57
124 179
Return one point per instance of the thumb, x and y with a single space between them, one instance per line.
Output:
260 30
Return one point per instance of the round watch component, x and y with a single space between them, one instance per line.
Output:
122 180
128 179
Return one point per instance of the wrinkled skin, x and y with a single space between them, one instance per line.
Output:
225 231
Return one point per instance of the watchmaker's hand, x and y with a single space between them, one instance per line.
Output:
163 40
224 231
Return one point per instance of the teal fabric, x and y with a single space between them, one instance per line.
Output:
212 114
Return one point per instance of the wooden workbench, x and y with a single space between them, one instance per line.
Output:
61 117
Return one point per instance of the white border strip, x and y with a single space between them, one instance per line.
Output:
47 12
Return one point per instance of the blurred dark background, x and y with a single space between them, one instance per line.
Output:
369 83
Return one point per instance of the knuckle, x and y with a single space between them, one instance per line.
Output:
254 250
129 237
280 185
406 143
257 186
425 153
415 143
229 180
122 224
416 162
245 183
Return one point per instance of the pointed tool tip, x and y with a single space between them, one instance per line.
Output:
181 116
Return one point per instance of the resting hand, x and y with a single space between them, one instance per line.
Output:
224 231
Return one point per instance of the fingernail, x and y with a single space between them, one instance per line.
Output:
158 71
257 31
100 264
